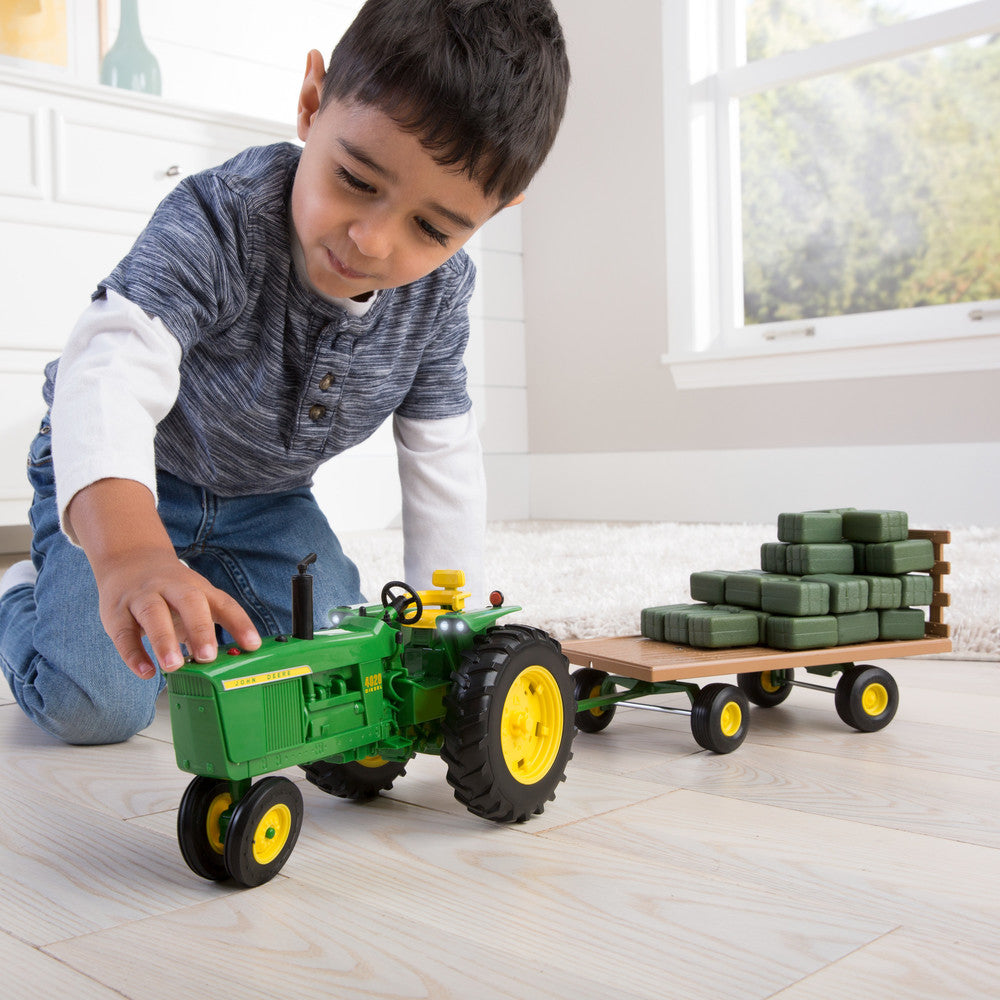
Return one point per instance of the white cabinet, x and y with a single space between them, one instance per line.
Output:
81 169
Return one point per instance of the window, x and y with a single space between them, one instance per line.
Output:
832 190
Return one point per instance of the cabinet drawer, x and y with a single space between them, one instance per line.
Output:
128 169
20 165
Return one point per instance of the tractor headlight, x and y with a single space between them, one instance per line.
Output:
451 625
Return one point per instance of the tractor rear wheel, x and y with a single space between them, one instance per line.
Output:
508 728
360 780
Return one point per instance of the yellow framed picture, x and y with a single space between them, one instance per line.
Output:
35 31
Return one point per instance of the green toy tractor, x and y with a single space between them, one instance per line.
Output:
351 704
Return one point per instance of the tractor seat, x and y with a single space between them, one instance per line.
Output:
449 596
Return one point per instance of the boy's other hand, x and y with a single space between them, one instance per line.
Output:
154 594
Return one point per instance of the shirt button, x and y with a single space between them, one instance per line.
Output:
326 381
317 412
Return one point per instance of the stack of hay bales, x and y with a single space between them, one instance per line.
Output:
833 578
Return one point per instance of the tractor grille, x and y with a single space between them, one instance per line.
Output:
284 724
189 684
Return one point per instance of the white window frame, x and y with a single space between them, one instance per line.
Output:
707 344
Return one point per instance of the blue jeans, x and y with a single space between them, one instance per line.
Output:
62 668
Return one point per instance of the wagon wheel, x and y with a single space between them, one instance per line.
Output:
360 780
866 698
507 731
263 830
766 688
399 596
199 830
720 718
589 683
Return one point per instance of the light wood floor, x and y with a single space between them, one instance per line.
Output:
814 862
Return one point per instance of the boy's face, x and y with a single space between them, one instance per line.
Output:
370 206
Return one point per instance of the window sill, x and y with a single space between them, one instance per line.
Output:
776 364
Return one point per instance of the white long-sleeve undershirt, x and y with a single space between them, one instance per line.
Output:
119 377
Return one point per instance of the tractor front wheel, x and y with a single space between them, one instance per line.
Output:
508 728
199 827
262 831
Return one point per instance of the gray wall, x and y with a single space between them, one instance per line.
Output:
595 296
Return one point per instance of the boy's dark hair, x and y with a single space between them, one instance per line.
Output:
482 82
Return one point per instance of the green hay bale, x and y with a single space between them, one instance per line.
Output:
801 633
810 526
774 557
709 585
723 629
876 525
860 627
743 588
883 591
675 621
794 597
848 594
651 620
917 590
901 623
914 555
805 560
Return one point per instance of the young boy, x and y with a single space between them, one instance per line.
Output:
275 311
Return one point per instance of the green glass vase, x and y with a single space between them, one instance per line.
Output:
129 63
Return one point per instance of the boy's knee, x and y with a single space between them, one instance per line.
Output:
80 714
95 724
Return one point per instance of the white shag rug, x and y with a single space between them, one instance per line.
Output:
579 580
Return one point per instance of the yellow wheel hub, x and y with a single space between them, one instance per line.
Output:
730 719
531 725
768 682
374 761
874 699
595 692
272 834
213 821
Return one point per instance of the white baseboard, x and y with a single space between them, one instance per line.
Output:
939 485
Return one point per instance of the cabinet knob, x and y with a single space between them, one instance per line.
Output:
173 171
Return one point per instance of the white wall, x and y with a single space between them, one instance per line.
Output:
610 436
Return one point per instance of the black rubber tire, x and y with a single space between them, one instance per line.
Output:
354 780
587 683
480 719
766 688
720 718
273 804
193 834
866 698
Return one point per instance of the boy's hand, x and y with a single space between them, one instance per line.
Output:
154 594
144 588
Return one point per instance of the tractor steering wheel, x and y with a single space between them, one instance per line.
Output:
399 602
